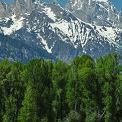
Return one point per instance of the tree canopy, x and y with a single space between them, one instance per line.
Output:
86 90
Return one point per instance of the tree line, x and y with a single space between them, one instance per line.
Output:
85 90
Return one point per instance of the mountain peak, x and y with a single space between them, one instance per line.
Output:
100 12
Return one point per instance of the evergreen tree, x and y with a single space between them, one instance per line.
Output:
81 85
59 85
108 66
42 91
5 67
14 93
39 82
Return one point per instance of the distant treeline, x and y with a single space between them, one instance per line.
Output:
86 90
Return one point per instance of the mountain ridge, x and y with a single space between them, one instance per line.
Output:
58 31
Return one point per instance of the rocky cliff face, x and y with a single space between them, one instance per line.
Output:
98 12
3 9
33 29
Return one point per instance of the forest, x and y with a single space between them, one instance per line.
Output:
85 90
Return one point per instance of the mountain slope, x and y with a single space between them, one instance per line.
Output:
50 31
98 12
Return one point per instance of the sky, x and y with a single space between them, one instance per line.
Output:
117 3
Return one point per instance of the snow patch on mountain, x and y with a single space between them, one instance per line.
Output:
74 30
101 0
44 42
62 25
109 33
16 25
49 13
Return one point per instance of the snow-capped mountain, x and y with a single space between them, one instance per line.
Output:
32 29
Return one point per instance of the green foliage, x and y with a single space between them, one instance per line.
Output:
59 88
73 116
28 112
42 91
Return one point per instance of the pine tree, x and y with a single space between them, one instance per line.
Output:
79 87
108 66
14 93
38 86
5 67
59 85
28 112
42 91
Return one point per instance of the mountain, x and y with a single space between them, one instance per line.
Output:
98 12
32 29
